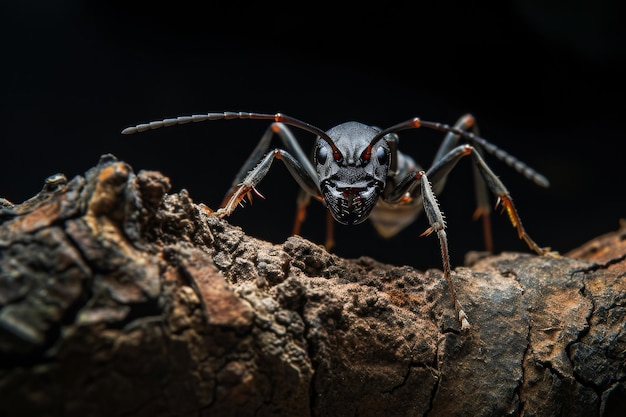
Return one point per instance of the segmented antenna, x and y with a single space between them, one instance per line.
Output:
174 121
278 117
501 154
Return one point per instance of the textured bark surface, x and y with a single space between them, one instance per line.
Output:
119 299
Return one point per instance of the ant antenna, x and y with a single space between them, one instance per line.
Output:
278 117
502 155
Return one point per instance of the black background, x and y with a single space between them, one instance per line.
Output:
543 78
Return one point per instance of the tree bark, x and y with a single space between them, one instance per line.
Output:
120 299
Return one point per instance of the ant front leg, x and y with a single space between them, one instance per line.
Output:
438 226
254 177
258 163
289 142
299 165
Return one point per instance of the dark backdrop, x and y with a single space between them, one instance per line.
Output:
544 80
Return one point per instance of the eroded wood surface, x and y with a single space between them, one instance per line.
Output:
118 298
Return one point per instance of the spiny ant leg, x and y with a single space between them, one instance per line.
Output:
254 177
260 151
239 189
438 225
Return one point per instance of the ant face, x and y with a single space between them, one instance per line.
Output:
352 173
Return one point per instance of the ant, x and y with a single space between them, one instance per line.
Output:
358 173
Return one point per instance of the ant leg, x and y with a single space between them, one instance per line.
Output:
408 190
302 204
505 200
495 185
240 187
483 208
238 190
438 225
253 178
290 143
330 231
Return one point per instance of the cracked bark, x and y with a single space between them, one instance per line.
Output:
117 298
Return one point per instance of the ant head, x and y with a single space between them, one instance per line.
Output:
353 173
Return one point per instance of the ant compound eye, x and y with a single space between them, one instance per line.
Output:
382 155
322 154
